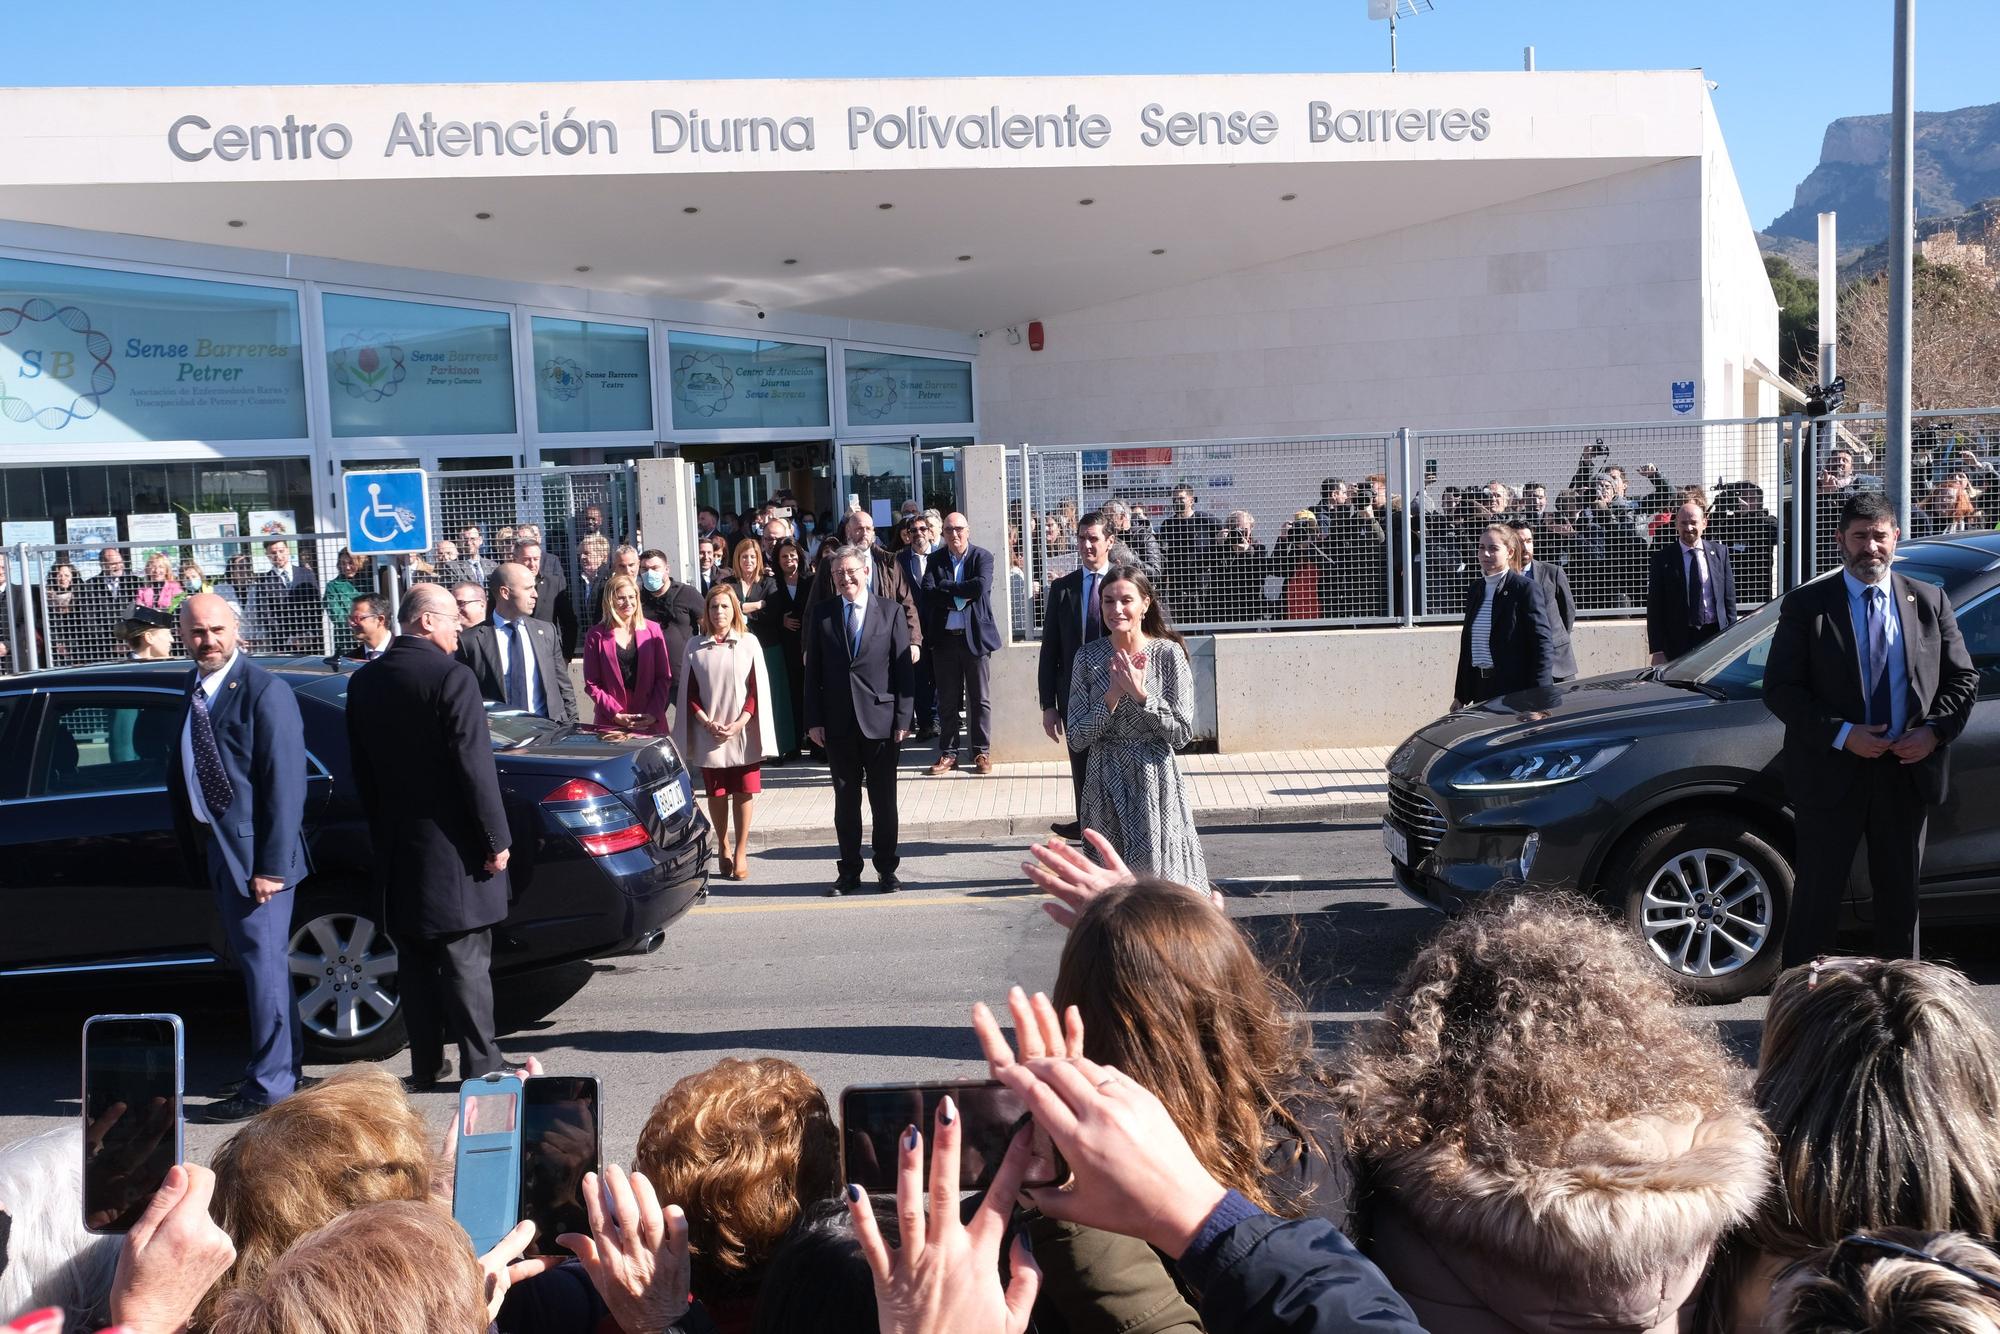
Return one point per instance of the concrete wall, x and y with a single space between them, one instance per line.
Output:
1577 305
1307 689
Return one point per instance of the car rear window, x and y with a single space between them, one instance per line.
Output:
510 730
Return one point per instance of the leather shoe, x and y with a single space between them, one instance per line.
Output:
926 732
945 764
230 1110
888 884
1069 829
419 1084
843 886
983 762
235 1086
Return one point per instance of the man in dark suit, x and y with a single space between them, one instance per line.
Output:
1071 618
239 797
368 618
958 589
1870 676
423 769
1690 589
913 559
1503 644
859 699
514 656
1554 583
285 606
885 580
102 603
552 603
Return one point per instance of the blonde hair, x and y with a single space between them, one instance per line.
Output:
742 1146
610 618
399 1267
1859 1288
756 548
350 1141
1510 542
595 544
736 624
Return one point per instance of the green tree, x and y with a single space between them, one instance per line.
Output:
1798 321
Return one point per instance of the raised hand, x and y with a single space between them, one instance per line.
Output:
636 1253
1066 873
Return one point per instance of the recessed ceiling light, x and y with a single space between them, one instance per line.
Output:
1159 252
690 209
583 268
236 222
963 258
1287 198
885 207
791 261
482 216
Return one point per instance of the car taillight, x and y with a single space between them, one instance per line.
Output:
603 825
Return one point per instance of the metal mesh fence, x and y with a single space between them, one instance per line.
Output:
71 605
1954 475
1232 533
579 514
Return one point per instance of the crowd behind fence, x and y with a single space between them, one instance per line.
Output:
1383 529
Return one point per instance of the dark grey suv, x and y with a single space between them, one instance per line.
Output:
1659 794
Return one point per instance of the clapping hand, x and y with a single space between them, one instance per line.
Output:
945 1277
636 1253
1128 675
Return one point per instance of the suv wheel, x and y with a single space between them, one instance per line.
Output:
1708 900
344 974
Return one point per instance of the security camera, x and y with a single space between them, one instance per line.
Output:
979 333
760 314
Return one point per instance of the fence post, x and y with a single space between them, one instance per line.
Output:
20 611
1405 554
1800 558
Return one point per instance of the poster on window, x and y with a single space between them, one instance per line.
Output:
888 389
34 533
268 524
745 383
410 368
591 377
91 534
103 356
213 557
151 533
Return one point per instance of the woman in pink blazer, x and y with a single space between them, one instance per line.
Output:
626 667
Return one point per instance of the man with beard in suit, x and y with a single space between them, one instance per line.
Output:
514 657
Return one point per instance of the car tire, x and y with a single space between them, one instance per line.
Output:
1708 900
344 975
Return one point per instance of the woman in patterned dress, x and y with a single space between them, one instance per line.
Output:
1131 706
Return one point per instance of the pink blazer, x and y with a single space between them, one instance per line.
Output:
652 689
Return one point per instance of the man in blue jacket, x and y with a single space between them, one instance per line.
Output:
239 794
958 596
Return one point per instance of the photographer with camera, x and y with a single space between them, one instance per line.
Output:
1236 590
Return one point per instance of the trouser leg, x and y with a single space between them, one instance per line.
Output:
260 937
465 970
949 662
1079 762
1898 820
979 701
423 1011
880 759
1827 839
844 760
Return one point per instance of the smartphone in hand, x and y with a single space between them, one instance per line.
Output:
873 1118
133 1130
486 1186
559 1145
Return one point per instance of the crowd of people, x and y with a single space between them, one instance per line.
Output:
1533 1134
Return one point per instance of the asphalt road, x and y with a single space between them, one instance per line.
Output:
855 990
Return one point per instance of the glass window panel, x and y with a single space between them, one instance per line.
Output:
101 356
889 389
591 377
408 368
724 383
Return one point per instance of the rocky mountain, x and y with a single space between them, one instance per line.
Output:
1957 166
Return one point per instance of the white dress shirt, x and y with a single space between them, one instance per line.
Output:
208 685
506 634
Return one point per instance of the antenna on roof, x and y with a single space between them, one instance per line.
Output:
1394 9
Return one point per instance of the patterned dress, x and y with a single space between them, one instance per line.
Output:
1133 792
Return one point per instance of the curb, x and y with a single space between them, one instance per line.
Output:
1361 808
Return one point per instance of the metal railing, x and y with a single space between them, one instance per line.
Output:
580 514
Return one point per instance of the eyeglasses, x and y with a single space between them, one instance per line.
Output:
956 528
470 602
1888 1247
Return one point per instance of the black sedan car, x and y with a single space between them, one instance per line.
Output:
608 849
1659 794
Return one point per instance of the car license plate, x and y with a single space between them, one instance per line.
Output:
1396 843
668 799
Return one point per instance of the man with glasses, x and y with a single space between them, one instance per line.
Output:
368 618
958 592
422 757
471 600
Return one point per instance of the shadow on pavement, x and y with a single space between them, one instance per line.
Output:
951 1043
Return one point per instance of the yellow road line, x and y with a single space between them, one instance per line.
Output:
864 899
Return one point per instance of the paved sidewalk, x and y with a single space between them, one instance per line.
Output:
1267 787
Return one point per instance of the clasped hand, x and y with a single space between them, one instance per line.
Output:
1871 741
1128 678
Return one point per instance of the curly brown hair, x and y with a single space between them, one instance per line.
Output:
352 1140
740 1147
1171 994
1521 1023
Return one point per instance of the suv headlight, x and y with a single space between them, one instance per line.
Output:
1537 766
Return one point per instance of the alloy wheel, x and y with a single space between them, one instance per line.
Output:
1707 912
343 977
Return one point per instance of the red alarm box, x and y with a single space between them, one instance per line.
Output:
1034 335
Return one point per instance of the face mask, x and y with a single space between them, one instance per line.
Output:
810 525
653 581
193 584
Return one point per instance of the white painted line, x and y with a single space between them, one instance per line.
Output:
1254 879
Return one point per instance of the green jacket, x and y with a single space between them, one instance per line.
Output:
1103 1283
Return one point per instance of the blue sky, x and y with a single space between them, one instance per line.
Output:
1773 100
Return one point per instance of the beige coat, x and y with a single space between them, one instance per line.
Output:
1613 1238
724 670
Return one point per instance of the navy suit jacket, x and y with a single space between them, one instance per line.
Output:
1667 629
256 721
982 634
1520 638
870 694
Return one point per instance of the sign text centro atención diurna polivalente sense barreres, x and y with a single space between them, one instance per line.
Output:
193 138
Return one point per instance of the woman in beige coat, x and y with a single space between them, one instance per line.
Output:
1544 1142
723 721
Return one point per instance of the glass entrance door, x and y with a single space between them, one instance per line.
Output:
877 477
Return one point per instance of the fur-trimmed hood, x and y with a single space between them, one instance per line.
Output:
1613 1236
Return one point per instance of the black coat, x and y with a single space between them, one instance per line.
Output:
552 604
1812 682
479 649
870 694
1667 629
677 609
423 769
1562 617
1519 639
887 583
1062 636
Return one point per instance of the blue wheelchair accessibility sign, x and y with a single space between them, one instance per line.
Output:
388 513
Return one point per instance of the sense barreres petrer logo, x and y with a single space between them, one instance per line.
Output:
563 377
52 345
703 383
368 366
873 395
